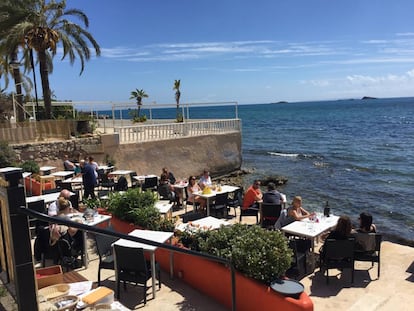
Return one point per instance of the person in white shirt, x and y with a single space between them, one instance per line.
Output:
205 180
53 208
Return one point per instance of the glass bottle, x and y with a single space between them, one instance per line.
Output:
327 210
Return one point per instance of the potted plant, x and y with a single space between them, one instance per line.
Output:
134 209
258 255
32 182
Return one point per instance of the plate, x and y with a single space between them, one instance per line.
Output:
65 302
53 291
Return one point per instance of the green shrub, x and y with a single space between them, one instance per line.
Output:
30 166
7 155
256 252
138 207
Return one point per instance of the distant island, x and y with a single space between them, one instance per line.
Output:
281 102
368 97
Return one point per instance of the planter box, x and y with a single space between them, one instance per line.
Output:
34 186
123 226
49 276
214 280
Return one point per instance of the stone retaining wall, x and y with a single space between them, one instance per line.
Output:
221 153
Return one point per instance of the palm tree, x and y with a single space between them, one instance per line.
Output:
177 96
138 95
46 26
13 12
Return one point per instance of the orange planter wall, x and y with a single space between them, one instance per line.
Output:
122 226
35 187
214 280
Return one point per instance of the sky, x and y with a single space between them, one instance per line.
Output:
249 51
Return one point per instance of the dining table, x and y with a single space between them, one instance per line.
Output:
213 193
155 236
46 170
141 178
125 173
205 223
48 198
95 220
165 208
63 174
311 229
75 181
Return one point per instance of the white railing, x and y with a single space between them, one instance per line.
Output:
153 132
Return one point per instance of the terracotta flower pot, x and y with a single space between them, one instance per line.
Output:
33 186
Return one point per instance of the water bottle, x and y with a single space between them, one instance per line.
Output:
326 210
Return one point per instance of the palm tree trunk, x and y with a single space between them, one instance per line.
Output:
18 83
44 75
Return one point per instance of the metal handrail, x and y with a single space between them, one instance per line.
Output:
61 221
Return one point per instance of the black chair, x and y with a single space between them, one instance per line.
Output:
35 224
195 205
104 181
67 259
131 266
219 204
47 191
235 200
150 183
269 214
104 250
74 200
373 253
42 248
121 184
102 193
134 182
300 248
250 211
58 184
338 254
66 185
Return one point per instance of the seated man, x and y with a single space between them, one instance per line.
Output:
170 175
67 164
272 195
53 208
253 196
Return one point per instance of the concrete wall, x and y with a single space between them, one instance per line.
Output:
221 153
185 156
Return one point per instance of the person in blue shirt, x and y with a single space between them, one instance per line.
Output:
88 179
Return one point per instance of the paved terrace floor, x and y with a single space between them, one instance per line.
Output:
392 291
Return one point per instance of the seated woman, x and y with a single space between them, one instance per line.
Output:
192 188
363 241
70 234
365 223
342 231
294 212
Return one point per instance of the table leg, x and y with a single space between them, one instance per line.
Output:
208 206
153 273
85 256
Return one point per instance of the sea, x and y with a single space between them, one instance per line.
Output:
356 154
